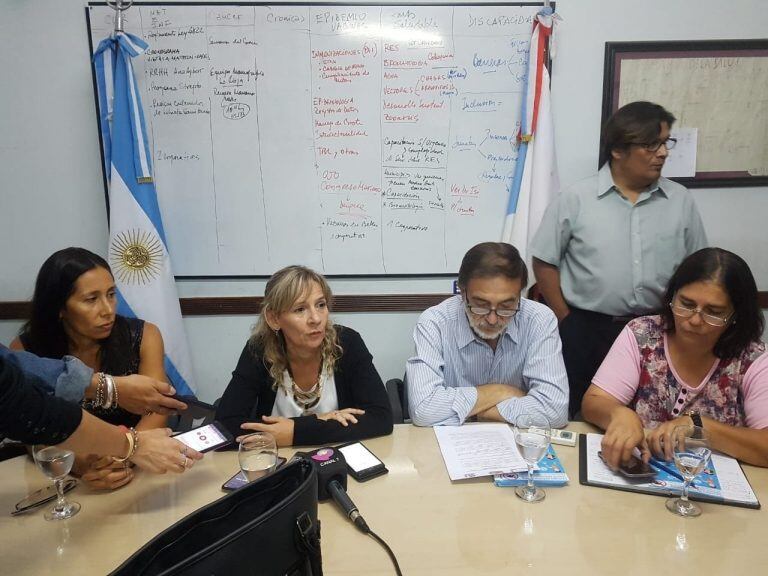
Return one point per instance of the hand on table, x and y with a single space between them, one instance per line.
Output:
281 428
624 434
660 439
345 416
105 474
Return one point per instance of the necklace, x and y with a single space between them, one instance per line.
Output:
308 399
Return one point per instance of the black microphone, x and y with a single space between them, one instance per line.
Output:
331 470
344 502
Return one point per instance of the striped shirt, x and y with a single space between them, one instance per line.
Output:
451 361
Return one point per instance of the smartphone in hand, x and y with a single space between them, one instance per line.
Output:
206 438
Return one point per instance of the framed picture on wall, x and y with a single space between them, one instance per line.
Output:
717 91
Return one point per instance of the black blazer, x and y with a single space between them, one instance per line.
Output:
250 395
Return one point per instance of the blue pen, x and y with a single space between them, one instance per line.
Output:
668 469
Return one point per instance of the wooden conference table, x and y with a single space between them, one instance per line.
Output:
434 526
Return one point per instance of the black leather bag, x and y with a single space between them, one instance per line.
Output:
268 527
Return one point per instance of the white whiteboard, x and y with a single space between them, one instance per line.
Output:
354 139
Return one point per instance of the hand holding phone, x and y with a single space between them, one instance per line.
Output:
633 469
362 465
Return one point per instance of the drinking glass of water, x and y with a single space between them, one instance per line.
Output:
257 455
56 462
690 447
532 434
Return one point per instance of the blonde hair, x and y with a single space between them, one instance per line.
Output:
283 289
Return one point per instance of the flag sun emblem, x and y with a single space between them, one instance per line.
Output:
136 256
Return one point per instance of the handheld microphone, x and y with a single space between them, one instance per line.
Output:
344 502
332 483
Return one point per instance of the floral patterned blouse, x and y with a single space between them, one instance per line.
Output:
643 379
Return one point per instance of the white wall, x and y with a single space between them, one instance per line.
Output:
53 196
734 218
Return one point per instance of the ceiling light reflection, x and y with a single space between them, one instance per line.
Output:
396 34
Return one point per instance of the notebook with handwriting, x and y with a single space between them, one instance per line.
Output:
723 482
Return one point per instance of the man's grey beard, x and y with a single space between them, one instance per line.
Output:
474 323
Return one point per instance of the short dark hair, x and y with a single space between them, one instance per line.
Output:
734 275
490 259
44 334
634 123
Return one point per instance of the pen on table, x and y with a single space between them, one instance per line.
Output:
668 469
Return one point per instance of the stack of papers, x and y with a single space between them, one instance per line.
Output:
475 450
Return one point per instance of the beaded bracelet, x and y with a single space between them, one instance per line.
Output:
106 392
133 444
101 389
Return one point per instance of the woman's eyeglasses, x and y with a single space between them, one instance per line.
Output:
686 312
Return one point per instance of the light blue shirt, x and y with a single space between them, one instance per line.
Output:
451 361
66 378
616 257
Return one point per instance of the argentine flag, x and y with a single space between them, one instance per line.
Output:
535 181
138 251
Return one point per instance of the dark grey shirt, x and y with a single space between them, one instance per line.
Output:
616 257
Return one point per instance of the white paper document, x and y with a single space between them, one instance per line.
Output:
474 450
733 484
681 162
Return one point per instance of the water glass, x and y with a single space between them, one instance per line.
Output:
690 447
532 435
56 462
257 455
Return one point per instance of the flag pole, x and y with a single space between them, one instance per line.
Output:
119 6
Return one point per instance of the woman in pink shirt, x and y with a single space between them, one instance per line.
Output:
701 361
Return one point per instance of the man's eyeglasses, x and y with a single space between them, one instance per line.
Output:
500 312
686 312
669 143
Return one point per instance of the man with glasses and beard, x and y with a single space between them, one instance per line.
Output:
608 245
488 353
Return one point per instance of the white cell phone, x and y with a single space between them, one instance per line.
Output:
362 465
205 438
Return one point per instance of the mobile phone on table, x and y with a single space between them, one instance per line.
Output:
634 469
239 480
206 437
362 465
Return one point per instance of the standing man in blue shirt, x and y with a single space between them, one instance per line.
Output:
488 353
607 245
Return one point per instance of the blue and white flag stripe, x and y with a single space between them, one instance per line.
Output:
535 181
137 247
